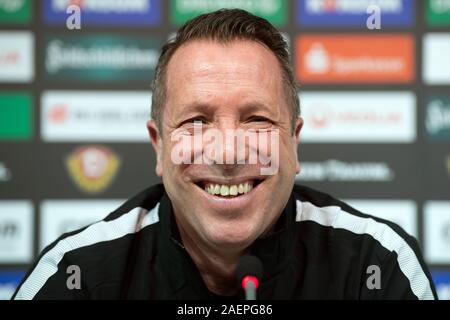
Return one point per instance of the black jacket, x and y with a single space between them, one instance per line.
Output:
320 248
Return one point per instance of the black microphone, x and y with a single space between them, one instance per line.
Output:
249 272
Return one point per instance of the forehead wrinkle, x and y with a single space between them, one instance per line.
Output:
213 69
225 76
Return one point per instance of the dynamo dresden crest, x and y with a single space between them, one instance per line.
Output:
92 168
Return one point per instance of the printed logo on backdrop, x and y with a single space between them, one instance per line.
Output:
438 12
334 170
61 216
16 231
350 117
339 58
81 116
436 69
15 116
101 58
15 11
275 11
9 281
441 280
16 56
437 232
344 13
92 168
437 118
105 12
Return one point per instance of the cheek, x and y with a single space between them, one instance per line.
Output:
288 153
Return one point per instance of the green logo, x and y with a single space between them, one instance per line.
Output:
15 11
101 58
275 11
438 12
437 120
15 116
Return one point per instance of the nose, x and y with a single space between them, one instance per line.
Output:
229 150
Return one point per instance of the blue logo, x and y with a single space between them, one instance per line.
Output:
105 12
344 13
9 281
442 282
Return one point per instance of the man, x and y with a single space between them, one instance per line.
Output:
228 72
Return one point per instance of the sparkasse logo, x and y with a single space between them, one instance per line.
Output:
323 58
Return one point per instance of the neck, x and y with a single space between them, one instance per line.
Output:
217 268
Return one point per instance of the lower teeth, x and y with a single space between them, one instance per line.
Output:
228 196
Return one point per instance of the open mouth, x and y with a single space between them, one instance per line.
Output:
228 190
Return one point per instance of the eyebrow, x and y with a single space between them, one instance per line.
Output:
257 106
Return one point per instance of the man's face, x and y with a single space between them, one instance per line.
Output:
225 87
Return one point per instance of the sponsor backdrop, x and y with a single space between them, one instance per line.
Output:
73 107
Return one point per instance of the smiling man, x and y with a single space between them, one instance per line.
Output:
225 110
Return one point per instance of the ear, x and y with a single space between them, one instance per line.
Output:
156 140
296 137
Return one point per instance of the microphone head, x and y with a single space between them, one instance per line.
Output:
249 266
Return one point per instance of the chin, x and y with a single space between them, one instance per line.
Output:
231 235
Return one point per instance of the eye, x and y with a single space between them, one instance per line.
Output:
194 120
259 119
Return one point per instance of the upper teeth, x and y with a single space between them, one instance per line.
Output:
229 190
